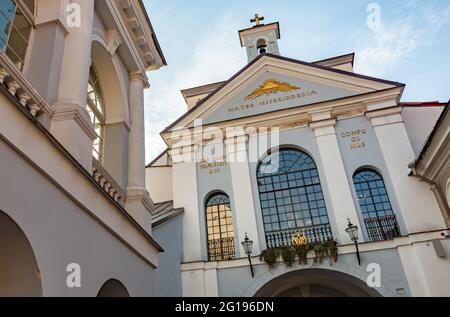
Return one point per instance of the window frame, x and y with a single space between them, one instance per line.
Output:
225 254
297 187
97 114
30 19
373 202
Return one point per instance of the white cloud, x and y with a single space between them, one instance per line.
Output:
215 58
380 50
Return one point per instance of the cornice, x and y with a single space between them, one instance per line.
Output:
67 111
301 116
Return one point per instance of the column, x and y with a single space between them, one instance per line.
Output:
237 157
417 203
335 175
71 124
139 203
136 151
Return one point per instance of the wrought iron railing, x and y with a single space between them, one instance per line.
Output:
221 249
382 228
320 233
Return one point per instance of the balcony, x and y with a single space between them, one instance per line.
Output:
320 233
382 228
221 249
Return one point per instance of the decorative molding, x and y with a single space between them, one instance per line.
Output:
385 116
113 41
323 127
139 33
139 77
19 87
142 195
105 180
66 111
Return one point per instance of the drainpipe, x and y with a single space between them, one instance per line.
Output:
442 201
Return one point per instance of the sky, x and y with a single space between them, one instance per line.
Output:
407 41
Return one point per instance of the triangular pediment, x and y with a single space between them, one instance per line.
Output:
272 83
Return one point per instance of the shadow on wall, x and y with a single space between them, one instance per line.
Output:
316 283
19 272
113 288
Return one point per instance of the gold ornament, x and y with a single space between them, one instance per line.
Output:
271 86
299 239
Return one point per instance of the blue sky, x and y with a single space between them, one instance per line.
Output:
201 44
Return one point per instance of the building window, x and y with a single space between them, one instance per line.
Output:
379 218
96 110
219 228
16 24
291 197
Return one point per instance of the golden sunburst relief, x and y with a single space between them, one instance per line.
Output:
271 86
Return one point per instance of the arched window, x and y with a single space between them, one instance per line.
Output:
96 110
376 208
219 225
291 198
16 24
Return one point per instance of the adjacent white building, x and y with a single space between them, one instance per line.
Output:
75 217
319 145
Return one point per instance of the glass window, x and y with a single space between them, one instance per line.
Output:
376 208
290 190
219 229
7 10
16 23
96 110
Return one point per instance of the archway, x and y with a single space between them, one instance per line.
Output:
316 283
113 288
19 271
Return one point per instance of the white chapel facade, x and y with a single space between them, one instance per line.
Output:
332 146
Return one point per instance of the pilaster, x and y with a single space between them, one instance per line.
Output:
334 170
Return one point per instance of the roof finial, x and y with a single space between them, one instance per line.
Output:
257 20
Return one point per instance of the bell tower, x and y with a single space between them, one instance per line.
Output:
261 38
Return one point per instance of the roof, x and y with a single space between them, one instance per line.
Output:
157 158
155 39
344 57
284 59
435 130
424 104
165 212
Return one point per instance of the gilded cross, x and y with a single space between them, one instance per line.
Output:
257 19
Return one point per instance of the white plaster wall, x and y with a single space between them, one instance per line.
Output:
419 122
417 202
427 274
61 232
159 183
185 196
193 283
339 187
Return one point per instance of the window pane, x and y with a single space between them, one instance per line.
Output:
7 9
219 221
18 39
299 200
